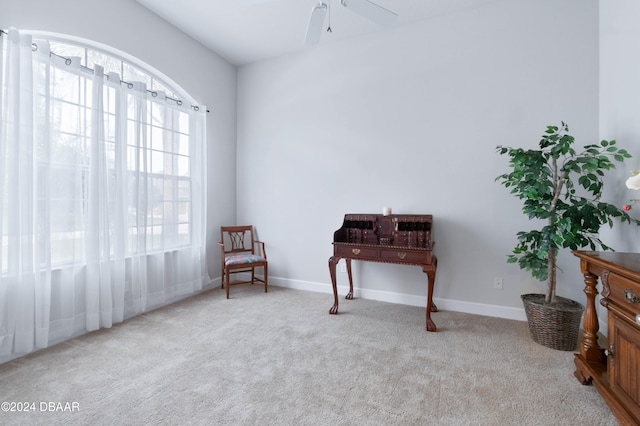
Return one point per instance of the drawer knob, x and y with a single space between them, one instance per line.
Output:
355 251
610 355
631 296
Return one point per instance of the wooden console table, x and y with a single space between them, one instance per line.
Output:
614 371
400 239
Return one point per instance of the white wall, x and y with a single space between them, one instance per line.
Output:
620 109
410 118
131 28
407 118
620 103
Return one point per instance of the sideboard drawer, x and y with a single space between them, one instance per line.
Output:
625 293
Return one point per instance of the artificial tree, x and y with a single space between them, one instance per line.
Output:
562 187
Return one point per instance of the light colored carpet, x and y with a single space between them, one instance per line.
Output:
279 358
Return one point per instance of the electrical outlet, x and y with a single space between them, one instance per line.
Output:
343 266
497 283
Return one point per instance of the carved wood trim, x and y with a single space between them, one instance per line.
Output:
605 283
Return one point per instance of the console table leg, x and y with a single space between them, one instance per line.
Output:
350 294
431 326
333 261
430 270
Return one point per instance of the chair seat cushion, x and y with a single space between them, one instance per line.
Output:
241 259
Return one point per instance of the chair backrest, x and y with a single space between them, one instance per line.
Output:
237 239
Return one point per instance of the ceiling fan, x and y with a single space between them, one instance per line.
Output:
366 8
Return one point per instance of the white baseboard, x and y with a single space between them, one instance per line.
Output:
406 299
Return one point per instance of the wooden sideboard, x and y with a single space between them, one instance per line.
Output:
614 370
400 239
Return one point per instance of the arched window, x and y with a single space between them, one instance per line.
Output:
103 180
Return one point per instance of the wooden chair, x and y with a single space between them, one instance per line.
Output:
239 254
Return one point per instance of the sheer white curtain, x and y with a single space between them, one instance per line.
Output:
103 197
26 277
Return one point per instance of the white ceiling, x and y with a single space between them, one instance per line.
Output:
244 31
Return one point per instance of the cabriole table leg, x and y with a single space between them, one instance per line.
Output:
333 261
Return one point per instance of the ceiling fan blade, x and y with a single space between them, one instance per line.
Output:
316 21
371 11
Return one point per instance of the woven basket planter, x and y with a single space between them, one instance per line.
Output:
554 326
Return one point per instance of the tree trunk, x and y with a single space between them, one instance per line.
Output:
558 183
551 278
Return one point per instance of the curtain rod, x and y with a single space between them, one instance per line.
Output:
67 61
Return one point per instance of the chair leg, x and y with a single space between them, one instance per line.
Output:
227 285
266 277
223 269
